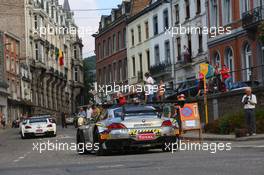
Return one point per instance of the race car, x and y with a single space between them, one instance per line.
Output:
38 126
127 127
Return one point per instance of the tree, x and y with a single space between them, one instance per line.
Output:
89 69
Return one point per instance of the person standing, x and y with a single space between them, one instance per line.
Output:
63 120
250 100
3 121
161 91
227 78
149 82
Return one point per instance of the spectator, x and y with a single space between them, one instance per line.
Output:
121 99
63 120
167 110
186 54
161 91
89 112
225 72
149 92
82 112
217 79
249 100
3 120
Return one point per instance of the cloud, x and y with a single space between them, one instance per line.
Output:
87 20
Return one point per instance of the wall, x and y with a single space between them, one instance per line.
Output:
228 103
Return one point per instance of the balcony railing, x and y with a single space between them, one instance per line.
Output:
160 68
252 17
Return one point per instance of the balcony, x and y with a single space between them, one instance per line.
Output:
160 69
252 18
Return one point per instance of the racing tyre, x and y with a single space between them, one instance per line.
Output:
100 151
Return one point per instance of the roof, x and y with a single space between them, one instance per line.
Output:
66 5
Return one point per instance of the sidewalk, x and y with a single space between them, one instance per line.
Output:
215 137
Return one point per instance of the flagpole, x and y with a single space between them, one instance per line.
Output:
205 101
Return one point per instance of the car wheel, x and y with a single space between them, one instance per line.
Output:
100 151
81 148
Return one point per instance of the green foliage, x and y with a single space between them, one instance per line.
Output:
89 78
229 123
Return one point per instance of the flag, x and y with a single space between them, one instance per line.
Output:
61 58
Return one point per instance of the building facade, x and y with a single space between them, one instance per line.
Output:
51 54
12 67
242 49
3 83
150 48
190 46
111 48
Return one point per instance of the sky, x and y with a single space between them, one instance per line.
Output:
89 20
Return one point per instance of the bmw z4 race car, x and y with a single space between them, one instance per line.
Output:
128 127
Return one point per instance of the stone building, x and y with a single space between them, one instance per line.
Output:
51 53
242 49
3 83
12 71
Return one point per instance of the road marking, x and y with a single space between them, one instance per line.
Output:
110 166
21 157
248 146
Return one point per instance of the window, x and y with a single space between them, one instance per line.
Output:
157 54
120 70
140 63
229 60
200 40
189 36
133 66
13 65
108 52
227 11
99 51
198 6
148 59
214 13
178 40
147 29
139 34
124 37
245 5
104 49
247 62
155 25
114 43
119 41
125 69
17 68
99 76
217 59
114 72
177 13
110 73
36 22
166 19
37 51
105 75
47 7
75 52
187 9
7 63
17 48
167 51
132 37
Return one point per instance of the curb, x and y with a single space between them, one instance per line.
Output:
240 139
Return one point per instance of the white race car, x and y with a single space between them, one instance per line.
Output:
38 126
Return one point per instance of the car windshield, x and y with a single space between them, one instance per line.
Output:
38 120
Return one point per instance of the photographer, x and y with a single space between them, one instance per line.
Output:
249 100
